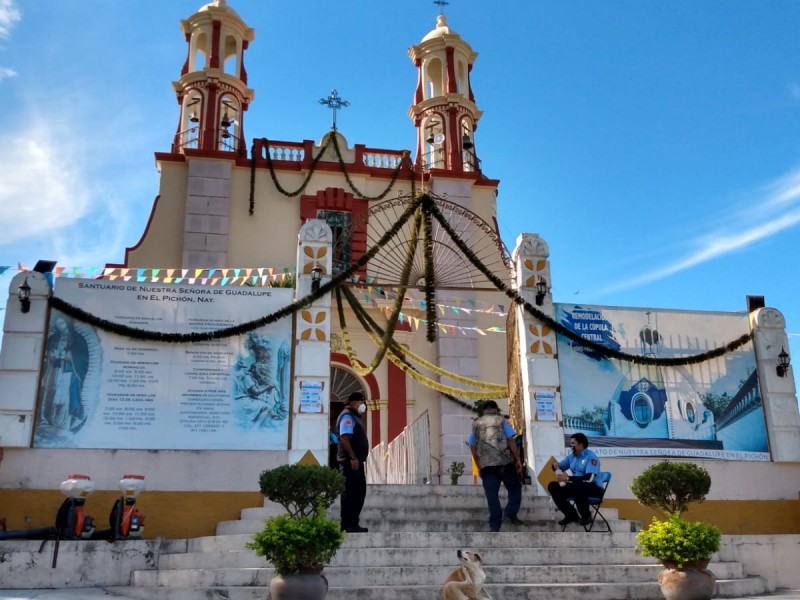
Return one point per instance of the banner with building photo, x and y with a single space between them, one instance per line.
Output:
708 410
103 390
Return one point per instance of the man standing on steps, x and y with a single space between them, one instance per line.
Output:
585 466
351 456
495 452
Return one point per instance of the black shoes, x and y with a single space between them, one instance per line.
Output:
568 520
515 521
586 521
356 529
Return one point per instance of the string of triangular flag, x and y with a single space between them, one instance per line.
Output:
445 328
256 276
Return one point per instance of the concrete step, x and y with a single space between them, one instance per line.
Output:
473 523
449 541
411 511
405 576
748 586
419 557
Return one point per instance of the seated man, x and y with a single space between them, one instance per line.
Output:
584 466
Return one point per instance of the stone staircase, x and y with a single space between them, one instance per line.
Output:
411 547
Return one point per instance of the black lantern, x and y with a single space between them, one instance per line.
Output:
541 291
783 362
316 278
24 295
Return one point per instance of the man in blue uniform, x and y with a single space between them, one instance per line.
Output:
495 452
351 456
584 466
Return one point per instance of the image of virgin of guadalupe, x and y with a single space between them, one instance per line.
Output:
261 383
65 365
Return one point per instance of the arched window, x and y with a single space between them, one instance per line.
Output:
434 78
199 53
191 116
228 127
468 157
461 77
230 56
433 126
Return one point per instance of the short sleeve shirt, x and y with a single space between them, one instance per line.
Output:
508 430
585 463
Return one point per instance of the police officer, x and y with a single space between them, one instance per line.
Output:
584 466
495 452
351 456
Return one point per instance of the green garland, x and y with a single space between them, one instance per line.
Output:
241 329
329 138
407 368
369 325
430 278
568 333
350 183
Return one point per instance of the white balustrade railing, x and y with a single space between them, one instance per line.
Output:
281 152
406 459
382 160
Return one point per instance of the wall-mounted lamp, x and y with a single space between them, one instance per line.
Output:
24 295
466 143
541 291
316 278
783 362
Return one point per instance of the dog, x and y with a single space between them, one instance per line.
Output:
466 582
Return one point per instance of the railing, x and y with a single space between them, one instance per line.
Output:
381 159
406 459
286 151
746 400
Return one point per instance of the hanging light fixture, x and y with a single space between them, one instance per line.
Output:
466 142
316 278
193 118
541 291
226 120
24 295
783 362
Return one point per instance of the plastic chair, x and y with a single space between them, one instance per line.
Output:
595 502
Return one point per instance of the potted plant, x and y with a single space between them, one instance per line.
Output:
683 547
299 543
455 470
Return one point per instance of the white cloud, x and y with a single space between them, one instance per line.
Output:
9 16
5 73
42 186
774 209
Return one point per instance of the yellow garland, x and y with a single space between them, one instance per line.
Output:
397 349
410 370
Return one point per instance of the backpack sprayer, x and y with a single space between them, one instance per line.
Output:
126 521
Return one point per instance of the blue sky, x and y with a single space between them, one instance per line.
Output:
654 145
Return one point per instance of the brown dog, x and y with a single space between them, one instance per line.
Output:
466 582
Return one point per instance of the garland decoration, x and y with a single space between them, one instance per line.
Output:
329 139
407 368
350 183
242 328
430 278
384 343
568 333
369 325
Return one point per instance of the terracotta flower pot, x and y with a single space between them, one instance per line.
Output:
688 583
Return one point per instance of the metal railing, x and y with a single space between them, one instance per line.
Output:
406 459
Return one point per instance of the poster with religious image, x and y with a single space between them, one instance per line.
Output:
100 389
708 409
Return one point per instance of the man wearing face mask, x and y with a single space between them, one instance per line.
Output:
351 455
584 466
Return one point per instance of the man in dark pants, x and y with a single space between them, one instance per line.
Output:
495 452
584 466
351 456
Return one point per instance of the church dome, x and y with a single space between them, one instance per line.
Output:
442 29
222 4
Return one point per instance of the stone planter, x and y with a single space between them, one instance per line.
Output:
692 582
303 586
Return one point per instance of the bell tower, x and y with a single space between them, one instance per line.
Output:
212 90
444 110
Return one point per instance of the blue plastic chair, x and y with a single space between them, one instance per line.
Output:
595 502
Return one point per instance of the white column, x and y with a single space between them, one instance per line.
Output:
21 359
312 355
778 394
544 437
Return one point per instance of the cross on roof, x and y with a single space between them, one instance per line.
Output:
442 4
334 102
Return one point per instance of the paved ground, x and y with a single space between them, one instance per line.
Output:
97 593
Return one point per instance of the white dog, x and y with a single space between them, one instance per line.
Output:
466 582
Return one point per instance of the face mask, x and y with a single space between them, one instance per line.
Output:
362 408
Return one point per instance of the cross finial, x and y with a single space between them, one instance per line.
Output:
442 4
334 102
